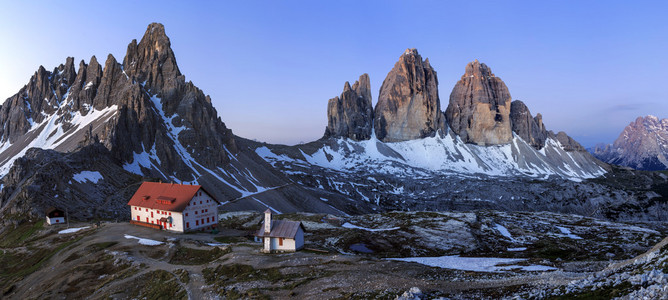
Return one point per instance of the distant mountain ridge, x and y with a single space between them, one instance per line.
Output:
642 145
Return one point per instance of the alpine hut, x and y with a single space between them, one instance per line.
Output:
55 216
280 235
174 207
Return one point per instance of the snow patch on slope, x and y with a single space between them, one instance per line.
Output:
52 134
446 154
83 176
476 264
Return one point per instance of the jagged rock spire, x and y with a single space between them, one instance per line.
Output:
408 106
479 108
351 114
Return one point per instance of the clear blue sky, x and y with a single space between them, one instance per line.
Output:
270 66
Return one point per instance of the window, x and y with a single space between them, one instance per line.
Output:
186 214
187 225
147 209
170 213
200 202
195 212
280 241
207 210
146 219
138 218
207 220
196 222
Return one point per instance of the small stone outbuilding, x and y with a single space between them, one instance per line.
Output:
280 235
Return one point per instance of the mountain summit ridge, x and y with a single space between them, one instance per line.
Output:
642 145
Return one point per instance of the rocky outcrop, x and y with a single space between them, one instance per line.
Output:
351 114
642 145
568 143
479 108
408 105
530 129
44 178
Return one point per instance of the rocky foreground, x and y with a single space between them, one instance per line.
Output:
468 255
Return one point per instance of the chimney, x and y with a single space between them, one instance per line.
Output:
267 221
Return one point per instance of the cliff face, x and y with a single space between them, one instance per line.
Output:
479 108
408 107
530 129
351 114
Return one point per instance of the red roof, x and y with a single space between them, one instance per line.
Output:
165 196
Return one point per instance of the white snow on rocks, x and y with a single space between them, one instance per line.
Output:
143 241
72 230
476 264
84 176
52 135
503 230
567 232
351 226
446 154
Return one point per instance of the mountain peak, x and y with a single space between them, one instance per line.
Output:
152 61
641 145
479 108
411 51
408 105
478 69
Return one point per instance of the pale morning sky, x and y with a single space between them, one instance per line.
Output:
270 66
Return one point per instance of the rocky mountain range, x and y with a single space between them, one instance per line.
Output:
642 145
141 116
82 138
481 122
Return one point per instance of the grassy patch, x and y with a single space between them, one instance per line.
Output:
189 256
16 265
239 273
184 277
17 236
230 239
223 276
159 284
100 246
606 292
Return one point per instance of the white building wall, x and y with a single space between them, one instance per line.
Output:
152 216
201 207
56 220
299 239
288 244
194 216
